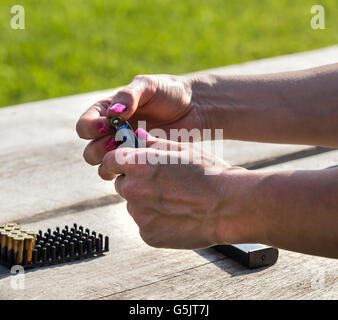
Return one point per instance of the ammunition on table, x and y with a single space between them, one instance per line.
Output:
16 232
33 234
11 225
10 238
29 249
3 239
29 240
18 244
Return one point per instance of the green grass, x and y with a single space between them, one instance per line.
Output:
73 46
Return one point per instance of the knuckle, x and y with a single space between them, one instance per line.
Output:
107 159
126 93
89 154
129 191
80 130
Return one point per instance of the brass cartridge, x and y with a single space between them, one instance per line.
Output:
10 238
33 234
24 230
18 244
3 239
11 225
29 240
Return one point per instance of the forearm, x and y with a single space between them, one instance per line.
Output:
293 107
295 210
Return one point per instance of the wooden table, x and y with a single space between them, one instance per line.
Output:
44 182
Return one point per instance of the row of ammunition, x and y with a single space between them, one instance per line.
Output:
30 249
70 243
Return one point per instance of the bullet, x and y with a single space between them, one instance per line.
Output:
8 229
101 239
18 245
10 240
33 234
11 225
17 228
48 247
53 253
29 241
3 244
38 250
71 250
66 243
44 255
35 256
106 244
80 248
24 230
89 246
116 122
63 251
98 245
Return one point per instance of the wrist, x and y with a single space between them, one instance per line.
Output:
242 218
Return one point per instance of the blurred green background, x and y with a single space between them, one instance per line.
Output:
73 46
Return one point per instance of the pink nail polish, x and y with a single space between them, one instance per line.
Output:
111 144
142 134
118 108
102 127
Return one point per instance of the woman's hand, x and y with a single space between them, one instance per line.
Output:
164 101
178 205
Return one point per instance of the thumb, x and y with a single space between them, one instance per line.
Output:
126 101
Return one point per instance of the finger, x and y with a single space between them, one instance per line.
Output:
119 161
96 149
106 175
94 122
149 141
126 101
119 182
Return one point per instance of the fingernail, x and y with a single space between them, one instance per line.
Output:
142 134
111 144
102 127
118 108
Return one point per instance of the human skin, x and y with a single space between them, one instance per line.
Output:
294 210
